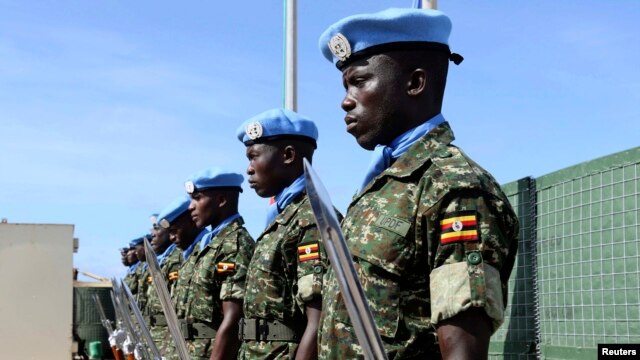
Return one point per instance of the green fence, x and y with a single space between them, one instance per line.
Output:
576 281
86 318
515 338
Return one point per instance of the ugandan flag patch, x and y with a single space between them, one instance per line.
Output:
459 226
173 276
309 251
225 267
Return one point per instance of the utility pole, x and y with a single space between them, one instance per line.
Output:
291 56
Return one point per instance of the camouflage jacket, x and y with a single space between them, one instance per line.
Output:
185 272
143 284
169 269
285 273
179 294
431 236
219 274
131 279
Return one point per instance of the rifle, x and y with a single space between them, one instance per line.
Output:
132 346
117 353
143 326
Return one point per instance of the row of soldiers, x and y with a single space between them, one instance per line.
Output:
432 236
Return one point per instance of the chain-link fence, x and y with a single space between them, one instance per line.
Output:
576 283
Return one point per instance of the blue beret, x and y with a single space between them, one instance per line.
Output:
135 242
177 207
213 178
277 124
359 36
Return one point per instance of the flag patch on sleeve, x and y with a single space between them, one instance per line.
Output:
173 276
225 267
459 226
149 280
309 251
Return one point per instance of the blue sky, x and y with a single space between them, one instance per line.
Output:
107 106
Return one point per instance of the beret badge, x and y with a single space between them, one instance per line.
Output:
164 223
339 46
189 187
254 130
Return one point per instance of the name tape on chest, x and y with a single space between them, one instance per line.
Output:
173 276
309 251
225 268
395 225
459 226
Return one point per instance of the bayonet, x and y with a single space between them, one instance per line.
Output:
120 335
143 326
132 346
113 334
103 317
343 268
165 300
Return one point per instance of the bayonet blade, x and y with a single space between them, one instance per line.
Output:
143 326
344 270
103 317
165 300
132 335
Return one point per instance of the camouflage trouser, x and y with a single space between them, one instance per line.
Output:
251 350
199 349
158 334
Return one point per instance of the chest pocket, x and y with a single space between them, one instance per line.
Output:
267 273
382 250
204 291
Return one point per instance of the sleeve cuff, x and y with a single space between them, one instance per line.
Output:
460 286
231 291
309 288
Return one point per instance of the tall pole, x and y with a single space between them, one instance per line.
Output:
291 58
430 4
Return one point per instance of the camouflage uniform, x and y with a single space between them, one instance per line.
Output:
217 274
131 279
285 273
431 236
154 314
143 284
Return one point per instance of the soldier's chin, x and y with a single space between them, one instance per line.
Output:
365 143
261 192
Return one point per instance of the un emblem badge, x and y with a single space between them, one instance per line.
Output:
339 46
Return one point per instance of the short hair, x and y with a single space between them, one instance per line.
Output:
434 62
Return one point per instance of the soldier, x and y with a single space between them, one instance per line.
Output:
284 281
211 302
131 267
432 234
136 268
186 235
143 273
170 259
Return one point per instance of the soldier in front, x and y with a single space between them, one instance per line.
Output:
432 235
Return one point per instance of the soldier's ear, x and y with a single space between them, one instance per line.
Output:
222 200
289 154
417 82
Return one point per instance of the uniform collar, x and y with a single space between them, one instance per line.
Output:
433 144
186 253
226 226
288 212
